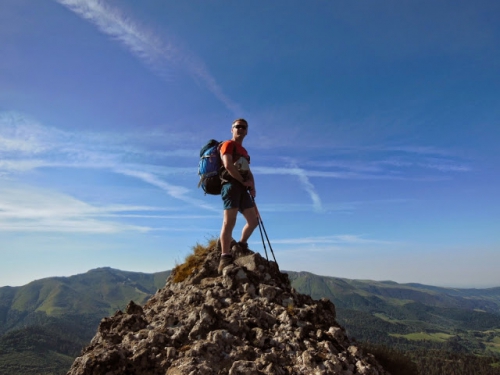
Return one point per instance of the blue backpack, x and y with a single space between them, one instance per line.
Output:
209 168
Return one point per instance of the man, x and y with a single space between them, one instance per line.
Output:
237 183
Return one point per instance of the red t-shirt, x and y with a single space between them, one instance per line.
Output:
235 149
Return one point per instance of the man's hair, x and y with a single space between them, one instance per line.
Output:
241 120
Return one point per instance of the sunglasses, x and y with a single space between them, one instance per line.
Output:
240 127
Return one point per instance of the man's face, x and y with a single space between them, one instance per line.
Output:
239 129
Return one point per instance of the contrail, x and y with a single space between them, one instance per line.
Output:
309 188
147 47
307 185
174 191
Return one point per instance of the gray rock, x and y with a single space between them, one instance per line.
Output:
247 321
244 368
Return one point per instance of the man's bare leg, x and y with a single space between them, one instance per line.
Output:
226 233
252 222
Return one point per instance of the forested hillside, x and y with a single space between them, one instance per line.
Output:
45 324
442 330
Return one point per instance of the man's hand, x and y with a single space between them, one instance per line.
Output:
251 188
253 192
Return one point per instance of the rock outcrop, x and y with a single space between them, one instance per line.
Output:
249 320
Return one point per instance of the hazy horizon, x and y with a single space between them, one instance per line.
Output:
285 271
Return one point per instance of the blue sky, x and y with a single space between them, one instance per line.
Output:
374 131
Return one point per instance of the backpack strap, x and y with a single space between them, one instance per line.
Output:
224 174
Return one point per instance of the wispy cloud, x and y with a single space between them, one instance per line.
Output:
158 54
421 150
386 168
343 239
178 192
307 186
27 145
444 165
23 139
327 245
301 174
414 163
20 134
327 174
172 217
340 207
26 209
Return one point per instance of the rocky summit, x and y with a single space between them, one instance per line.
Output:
248 320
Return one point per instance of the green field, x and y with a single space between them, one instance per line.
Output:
439 337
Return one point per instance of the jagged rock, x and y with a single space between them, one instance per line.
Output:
247 321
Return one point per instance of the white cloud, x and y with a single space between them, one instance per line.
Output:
170 217
21 135
303 177
318 173
36 210
27 145
445 166
68 225
8 166
178 192
377 163
343 239
308 187
421 150
156 53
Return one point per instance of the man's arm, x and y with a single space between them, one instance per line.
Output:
227 161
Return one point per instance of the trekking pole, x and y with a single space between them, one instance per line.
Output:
258 221
261 224
261 235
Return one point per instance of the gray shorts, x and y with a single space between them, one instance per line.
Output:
235 195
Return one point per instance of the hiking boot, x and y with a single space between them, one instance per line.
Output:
218 245
240 249
224 262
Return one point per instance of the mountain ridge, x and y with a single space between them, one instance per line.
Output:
102 290
488 298
494 289
364 308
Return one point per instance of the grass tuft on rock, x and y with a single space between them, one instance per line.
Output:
193 261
